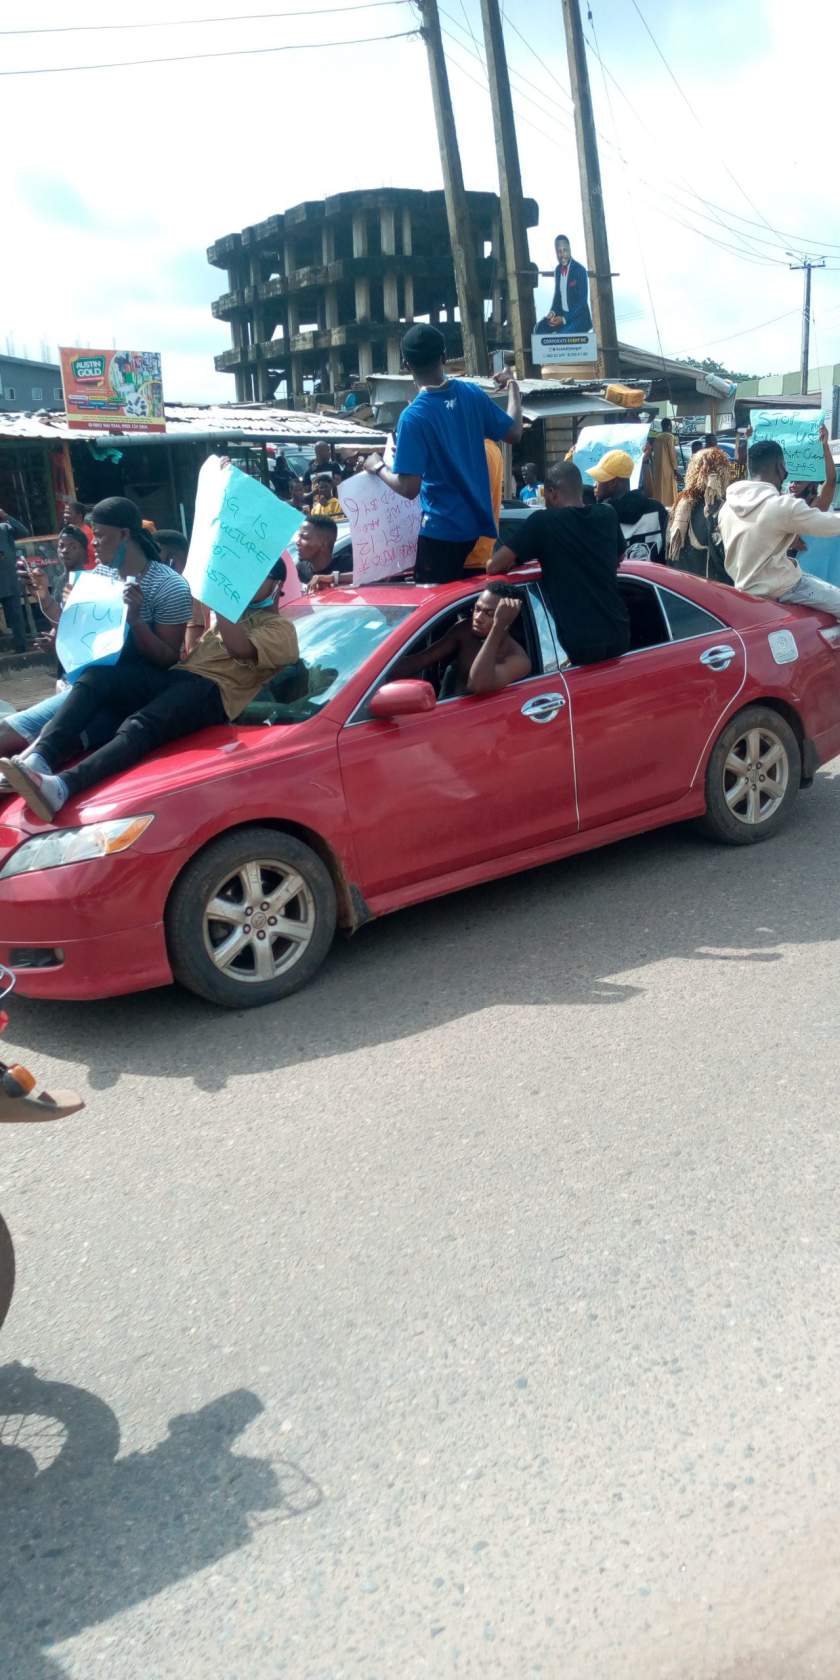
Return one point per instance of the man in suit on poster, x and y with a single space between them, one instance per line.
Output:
569 310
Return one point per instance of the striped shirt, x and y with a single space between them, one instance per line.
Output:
166 597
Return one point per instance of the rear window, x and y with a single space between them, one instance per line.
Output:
335 638
686 618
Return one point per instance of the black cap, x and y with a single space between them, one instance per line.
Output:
423 345
118 511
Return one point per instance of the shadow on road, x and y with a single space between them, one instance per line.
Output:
556 935
84 1534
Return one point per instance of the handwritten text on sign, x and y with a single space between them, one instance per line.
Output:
384 527
240 530
797 430
92 626
595 441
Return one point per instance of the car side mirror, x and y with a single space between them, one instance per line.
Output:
402 698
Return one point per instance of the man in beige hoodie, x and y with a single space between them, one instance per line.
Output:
758 524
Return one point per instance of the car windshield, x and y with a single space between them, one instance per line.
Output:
334 640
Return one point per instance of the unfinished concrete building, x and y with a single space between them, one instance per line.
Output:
324 292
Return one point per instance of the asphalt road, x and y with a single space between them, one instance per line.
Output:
473 1313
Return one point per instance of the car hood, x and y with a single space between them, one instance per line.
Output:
197 759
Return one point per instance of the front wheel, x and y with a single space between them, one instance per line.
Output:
7 1269
251 919
752 778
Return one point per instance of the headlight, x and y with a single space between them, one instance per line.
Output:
75 845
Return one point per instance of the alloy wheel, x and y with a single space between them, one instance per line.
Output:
258 921
755 776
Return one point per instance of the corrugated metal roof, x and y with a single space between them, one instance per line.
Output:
197 421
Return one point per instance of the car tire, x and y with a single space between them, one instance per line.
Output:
275 918
752 778
7 1270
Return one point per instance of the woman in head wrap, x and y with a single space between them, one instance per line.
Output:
694 541
158 600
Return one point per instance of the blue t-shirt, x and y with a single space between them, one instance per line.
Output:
528 493
440 439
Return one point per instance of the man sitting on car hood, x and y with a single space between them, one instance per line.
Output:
226 669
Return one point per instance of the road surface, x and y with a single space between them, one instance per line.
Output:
473 1313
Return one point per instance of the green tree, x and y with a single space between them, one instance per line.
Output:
709 365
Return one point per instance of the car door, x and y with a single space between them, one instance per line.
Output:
479 777
642 722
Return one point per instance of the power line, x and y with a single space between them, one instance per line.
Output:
181 23
189 58
684 96
742 253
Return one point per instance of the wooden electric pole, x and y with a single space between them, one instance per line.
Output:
470 298
520 287
592 197
807 264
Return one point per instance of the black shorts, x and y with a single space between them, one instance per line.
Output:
441 562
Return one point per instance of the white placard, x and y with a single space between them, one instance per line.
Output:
384 527
556 348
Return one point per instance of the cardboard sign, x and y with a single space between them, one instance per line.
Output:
556 348
93 625
797 431
595 441
122 389
384 527
240 530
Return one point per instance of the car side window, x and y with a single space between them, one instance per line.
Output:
543 625
686 619
525 631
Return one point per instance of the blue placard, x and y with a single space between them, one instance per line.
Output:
797 431
93 624
240 529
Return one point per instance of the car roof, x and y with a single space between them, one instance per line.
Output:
734 606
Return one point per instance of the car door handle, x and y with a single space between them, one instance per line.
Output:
544 707
718 658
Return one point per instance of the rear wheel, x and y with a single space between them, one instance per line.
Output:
752 778
251 919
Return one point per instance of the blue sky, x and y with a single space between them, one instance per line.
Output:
116 181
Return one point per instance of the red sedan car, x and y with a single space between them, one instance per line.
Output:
227 861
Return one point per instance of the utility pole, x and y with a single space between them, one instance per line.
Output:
591 193
807 264
470 298
514 232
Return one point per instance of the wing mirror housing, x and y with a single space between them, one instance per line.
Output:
402 699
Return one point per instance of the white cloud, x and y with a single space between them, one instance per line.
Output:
116 182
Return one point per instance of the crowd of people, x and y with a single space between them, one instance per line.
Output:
182 668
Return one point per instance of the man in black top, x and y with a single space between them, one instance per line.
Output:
644 522
579 549
324 462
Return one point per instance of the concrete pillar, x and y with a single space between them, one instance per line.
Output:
406 231
362 286
408 297
360 233
293 315
365 361
294 375
388 232
289 263
331 306
239 378
328 243
497 255
390 298
393 356
336 376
